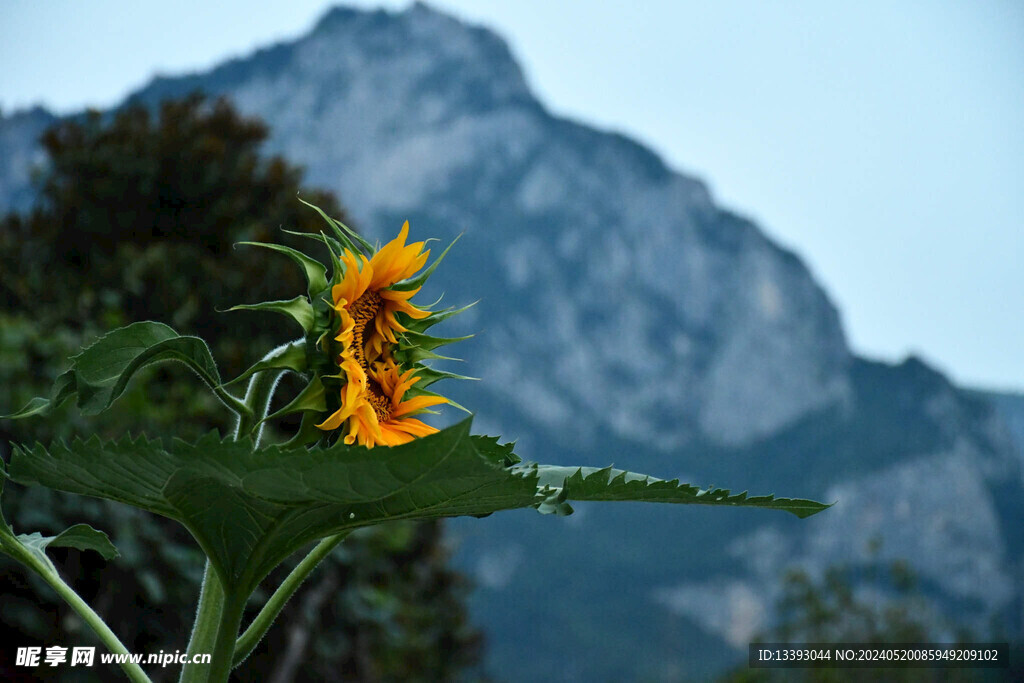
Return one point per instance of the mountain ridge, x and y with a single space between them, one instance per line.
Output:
455 118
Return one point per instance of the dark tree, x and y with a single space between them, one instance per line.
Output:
137 218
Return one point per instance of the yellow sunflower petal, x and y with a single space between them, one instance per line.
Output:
349 289
396 261
413 427
346 330
415 405
333 421
398 295
394 437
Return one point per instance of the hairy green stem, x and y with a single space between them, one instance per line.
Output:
227 632
204 631
95 621
261 624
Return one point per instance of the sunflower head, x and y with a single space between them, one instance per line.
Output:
378 408
380 343
377 340
366 302
365 344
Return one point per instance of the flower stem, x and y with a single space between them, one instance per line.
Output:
227 631
204 631
261 624
95 621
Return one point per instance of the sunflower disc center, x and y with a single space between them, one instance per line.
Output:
363 311
381 403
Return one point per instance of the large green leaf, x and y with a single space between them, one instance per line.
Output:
250 509
101 371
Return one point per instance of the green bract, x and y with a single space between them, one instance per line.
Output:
250 506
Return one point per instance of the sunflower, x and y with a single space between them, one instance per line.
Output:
365 303
375 405
374 408
382 340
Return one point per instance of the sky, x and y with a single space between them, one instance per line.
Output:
881 141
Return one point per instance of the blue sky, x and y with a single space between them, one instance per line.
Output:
883 141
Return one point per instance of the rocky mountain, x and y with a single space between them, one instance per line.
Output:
625 317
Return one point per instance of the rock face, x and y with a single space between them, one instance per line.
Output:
622 311
627 292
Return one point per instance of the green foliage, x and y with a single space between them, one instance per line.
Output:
251 509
